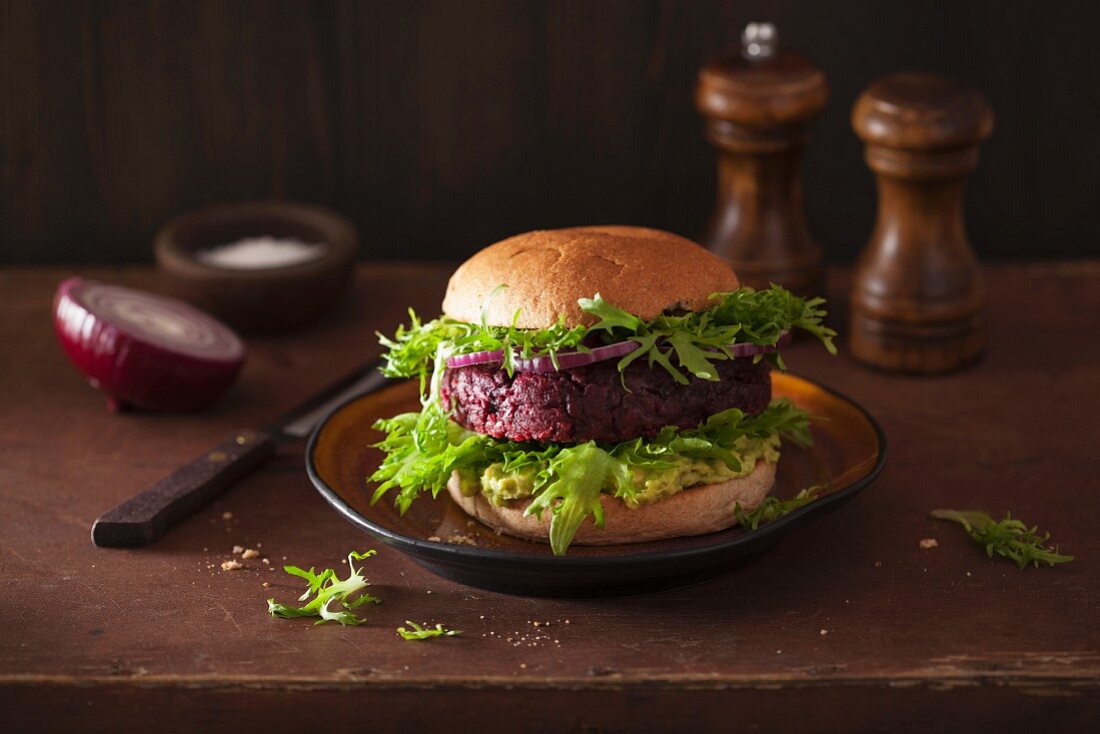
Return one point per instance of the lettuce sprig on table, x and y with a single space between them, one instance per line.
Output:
681 344
325 588
423 632
424 449
1009 538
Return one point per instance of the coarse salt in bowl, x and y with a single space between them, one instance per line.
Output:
260 266
257 253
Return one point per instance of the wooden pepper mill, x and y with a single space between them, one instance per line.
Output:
758 102
917 299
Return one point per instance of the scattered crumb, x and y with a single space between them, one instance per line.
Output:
468 539
926 543
523 665
264 560
232 565
567 621
265 584
878 564
435 538
237 550
482 616
250 553
227 515
259 545
824 632
429 591
967 573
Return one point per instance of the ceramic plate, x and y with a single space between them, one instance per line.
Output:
849 452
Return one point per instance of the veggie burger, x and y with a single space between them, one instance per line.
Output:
596 385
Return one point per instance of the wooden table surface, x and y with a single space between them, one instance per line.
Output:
846 625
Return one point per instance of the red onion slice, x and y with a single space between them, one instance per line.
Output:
468 360
570 360
144 350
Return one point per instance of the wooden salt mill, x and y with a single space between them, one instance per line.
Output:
917 299
758 102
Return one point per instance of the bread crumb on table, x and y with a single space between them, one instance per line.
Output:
227 515
232 565
926 543
250 553
237 550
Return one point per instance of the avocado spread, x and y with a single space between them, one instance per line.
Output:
499 486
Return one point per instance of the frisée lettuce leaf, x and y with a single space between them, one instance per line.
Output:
773 508
423 632
325 588
424 449
1009 537
696 339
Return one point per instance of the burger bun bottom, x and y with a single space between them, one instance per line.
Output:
694 511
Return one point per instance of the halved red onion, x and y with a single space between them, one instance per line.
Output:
144 350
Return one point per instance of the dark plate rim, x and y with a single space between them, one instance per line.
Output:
422 547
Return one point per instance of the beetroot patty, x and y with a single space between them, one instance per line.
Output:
586 403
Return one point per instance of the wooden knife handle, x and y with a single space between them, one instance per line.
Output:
145 517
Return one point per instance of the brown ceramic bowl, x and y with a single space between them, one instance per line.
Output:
263 299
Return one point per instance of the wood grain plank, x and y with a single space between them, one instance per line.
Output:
441 126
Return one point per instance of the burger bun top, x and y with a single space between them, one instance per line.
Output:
644 271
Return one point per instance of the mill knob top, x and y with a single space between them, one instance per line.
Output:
920 111
758 85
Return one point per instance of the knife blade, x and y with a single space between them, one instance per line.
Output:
146 516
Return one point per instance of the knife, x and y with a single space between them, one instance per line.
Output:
146 516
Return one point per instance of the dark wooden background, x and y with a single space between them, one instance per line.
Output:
441 126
